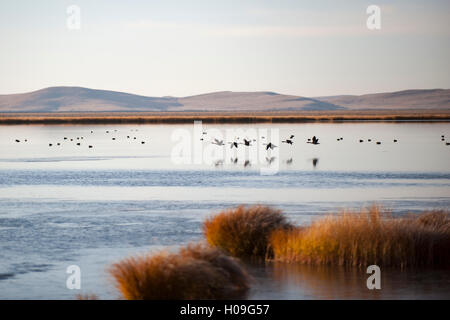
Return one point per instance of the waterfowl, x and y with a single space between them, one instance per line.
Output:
270 145
233 144
247 163
17 140
218 142
314 139
288 141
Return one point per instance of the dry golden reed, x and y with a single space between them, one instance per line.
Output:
244 232
195 272
86 296
371 236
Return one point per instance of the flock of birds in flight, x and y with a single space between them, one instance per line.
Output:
233 144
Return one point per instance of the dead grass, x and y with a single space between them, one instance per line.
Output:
244 231
368 237
195 272
86 297
225 117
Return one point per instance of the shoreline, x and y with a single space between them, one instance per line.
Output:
225 117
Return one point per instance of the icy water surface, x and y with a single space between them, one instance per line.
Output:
70 204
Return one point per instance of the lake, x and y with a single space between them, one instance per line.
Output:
148 187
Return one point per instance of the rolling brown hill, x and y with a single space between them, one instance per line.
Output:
77 99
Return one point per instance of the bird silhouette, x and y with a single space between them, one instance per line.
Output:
288 141
218 142
233 144
314 140
270 145
247 163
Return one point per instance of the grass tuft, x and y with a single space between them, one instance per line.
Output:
371 236
244 232
195 272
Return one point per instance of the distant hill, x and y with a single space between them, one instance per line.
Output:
252 101
77 99
407 99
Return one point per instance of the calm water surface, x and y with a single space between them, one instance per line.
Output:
69 204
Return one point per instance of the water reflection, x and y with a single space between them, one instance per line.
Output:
314 162
296 281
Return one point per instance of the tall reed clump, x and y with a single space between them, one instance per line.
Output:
244 232
368 237
195 272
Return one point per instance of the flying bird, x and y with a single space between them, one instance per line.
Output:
218 142
270 145
288 141
314 139
233 144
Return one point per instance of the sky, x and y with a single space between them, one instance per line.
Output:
181 48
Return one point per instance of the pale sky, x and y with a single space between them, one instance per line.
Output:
181 48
